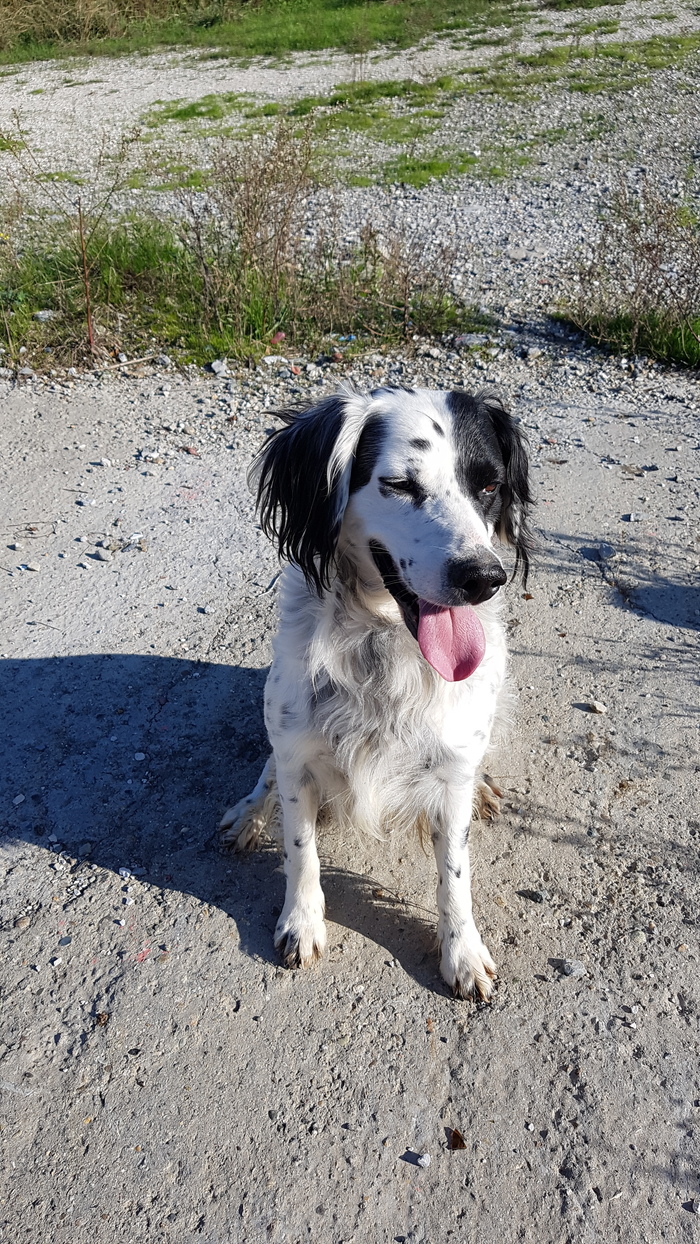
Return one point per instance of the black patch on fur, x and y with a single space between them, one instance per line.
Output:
297 510
437 428
368 450
297 842
419 443
491 449
405 599
465 836
292 799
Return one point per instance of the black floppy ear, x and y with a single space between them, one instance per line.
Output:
303 478
517 498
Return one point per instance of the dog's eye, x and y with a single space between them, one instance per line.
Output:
490 488
401 485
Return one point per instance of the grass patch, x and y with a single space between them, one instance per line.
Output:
418 171
37 29
222 276
208 108
640 291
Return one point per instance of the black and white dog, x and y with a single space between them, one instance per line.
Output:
390 655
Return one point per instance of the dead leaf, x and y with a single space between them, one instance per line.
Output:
455 1139
189 449
429 1025
528 596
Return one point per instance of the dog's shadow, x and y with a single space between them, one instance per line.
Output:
407 933
129 761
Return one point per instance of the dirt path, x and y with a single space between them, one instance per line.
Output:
161 1077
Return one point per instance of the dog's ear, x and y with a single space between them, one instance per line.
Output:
303 481
517 498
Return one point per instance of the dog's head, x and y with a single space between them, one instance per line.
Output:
413 483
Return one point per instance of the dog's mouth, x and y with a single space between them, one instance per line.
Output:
451 640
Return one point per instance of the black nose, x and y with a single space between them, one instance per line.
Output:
476 580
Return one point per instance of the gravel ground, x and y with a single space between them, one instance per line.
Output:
516 234
161 1077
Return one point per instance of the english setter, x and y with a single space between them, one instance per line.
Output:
390 653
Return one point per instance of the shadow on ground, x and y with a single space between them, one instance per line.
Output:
129 761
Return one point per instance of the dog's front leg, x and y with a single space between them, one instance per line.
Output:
465 962
300 935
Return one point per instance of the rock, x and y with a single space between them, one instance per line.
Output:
22 922
635 517
163 360
219 367
105 462
597 706
102 555
535 896
31 566
573 967
516 253
65 941
270 360
424 1160
606 552
44 316
27 373
18 799
139 755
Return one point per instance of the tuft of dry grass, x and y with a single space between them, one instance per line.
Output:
640 289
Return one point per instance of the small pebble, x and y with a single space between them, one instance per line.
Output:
573 967
18 799
597 706
31 566
65 941
139 755
125 872
22 922
424 1160
121 923
56 960
103 555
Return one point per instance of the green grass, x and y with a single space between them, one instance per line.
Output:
149 292
418 171
652 336
268 28
207 108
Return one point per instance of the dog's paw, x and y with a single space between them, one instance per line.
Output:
466 964
487 799
300 936
242 826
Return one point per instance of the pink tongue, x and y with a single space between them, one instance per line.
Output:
451 640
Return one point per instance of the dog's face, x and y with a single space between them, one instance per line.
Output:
413 483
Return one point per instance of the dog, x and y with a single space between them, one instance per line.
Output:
390 654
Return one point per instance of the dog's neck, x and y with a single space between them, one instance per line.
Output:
361 585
